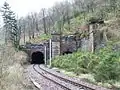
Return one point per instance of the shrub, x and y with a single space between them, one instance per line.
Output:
104 64
108 68
80 62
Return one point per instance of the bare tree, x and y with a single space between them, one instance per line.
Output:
33 25
28 26
44 20
22 24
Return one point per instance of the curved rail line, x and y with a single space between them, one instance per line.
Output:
67 80
66 88
81 86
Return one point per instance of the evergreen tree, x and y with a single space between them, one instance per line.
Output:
12 32
5 13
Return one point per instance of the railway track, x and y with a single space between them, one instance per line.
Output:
64 82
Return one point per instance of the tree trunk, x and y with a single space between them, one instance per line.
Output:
44 22
29 36
24 35
105 36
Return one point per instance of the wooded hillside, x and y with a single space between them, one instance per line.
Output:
70 16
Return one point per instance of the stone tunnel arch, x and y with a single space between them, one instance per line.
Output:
37 58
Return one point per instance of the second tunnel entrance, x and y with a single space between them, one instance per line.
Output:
37 58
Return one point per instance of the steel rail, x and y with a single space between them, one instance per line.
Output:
67 80
93 87
63 86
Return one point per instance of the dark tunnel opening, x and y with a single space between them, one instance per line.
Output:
67 52
37 58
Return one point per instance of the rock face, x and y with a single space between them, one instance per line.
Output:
55 48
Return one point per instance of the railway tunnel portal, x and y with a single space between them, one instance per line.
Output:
36 53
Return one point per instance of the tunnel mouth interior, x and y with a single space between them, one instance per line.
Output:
37 58
67 52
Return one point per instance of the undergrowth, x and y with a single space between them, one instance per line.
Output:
103 65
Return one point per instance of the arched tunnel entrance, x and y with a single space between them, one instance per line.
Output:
37 58
67 52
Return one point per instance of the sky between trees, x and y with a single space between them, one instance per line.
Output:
23 7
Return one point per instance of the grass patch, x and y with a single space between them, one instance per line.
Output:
42 37
12 75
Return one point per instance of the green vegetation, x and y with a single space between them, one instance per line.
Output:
45 37
40 38
104 65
